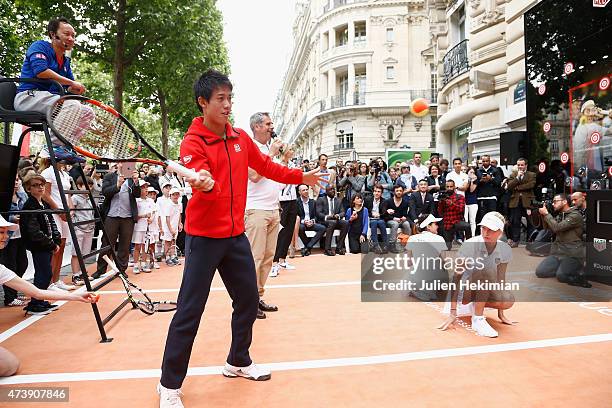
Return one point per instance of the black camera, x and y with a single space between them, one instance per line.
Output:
445 194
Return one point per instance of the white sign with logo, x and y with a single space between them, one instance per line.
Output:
600 3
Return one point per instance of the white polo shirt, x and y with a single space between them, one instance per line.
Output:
262 195
6 274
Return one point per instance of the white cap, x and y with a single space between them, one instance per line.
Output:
166 183
588 104
9 225
151 190
141 182
175 190
430 218
493 221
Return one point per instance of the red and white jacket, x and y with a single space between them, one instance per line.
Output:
219 213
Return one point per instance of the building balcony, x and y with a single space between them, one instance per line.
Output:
338 3
455 62
338 101
357 46
359 98
343 146
430 94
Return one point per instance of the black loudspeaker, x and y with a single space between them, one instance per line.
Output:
512 146
9 158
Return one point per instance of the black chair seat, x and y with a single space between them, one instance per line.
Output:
8 90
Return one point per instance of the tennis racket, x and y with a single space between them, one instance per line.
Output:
136 296
98 131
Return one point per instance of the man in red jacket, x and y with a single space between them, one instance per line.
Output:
215 234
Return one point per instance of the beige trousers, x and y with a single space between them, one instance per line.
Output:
262 231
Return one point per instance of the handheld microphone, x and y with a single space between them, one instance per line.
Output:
273 135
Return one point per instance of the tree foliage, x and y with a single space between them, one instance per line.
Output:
141 53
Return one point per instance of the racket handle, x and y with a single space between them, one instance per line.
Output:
182 170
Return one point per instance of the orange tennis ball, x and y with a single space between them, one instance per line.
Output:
419 107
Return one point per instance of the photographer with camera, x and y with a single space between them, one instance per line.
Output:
520 185
378 176
567 250
451 207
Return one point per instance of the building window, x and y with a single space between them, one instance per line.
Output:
342 36
432 142
434 83
390 72
390 133
344 135
360 32
389 35
457 21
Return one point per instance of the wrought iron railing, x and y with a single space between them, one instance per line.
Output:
430 94
343 146
359 98
455 62
338 101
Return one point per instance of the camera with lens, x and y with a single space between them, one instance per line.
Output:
375 166
445 194
548 194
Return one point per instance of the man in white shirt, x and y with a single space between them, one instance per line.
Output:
459 177
419 170
261 216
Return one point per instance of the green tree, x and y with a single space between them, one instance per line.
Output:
19 26
174 62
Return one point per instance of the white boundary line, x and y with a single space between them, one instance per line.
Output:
314 364
223 289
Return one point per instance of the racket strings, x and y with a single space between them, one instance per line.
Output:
94 129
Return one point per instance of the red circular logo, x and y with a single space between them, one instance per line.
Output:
568 68
595 137
564 157
547 127
604 83
542 167
542 89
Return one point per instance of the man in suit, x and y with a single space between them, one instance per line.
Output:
421 202
121 213
307 213
520 185
330 213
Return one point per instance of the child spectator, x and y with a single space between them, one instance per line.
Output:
41 237
172 225
145 218
84 232
153 227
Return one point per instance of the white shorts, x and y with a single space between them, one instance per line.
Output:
84 240
62 226
138 237
167 236
153 237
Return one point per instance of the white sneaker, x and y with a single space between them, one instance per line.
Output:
62 285
482 327
252 372
130 264
156 265
136 270
274 271
286 265
169 398
56 288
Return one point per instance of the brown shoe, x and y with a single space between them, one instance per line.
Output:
260 314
